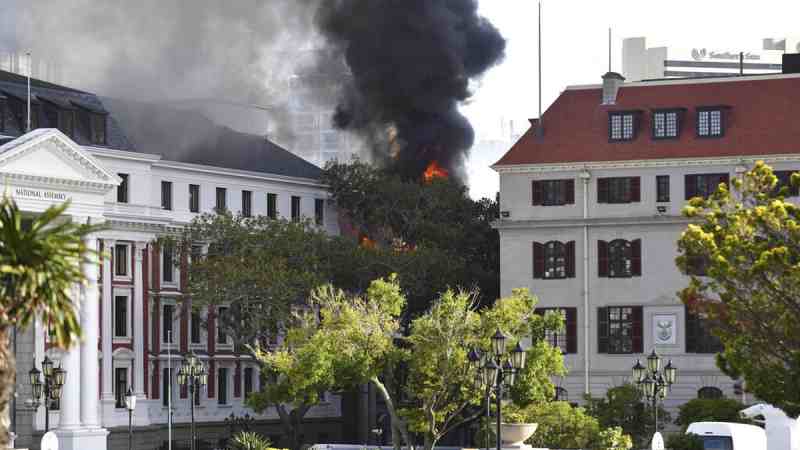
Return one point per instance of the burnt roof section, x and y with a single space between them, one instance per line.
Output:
185 135
176 134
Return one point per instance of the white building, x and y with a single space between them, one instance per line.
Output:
133 322
640 62
591 211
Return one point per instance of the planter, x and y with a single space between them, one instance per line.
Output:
515 434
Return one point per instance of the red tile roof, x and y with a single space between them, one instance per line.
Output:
763 119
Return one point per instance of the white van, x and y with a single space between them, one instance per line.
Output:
729 436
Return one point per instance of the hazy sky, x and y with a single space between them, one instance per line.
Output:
575 51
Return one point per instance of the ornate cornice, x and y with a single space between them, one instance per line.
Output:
92 187
643 164
593 222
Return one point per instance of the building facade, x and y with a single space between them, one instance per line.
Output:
591 199
640 62
136 324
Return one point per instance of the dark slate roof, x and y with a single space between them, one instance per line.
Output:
189 136
175 134
13 86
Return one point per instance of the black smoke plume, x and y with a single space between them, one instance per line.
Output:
411 63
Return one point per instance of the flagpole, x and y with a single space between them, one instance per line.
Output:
30 69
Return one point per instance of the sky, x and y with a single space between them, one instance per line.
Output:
575 51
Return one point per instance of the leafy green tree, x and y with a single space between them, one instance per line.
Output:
680 441
561 425
436 218
623 407
710 410
40 263
439 377
748 240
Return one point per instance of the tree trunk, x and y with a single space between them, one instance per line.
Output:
292 423
397 422
7 381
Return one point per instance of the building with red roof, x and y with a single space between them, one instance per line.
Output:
591 198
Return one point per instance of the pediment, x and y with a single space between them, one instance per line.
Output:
49 155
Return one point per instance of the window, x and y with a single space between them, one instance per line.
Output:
196 253
295 208
247 203
120 316
567 338
248 381
662 188
785 180
621 126
618 190
319 211
709 392
120 386
666 124
222 337
329 141
710 122
553 192
619 258
194 198
166 386
272 206
167 335
222 195
121 260
122 189
97 124
195 331
703 185
620 329
168 264
166 195
222 386
553 260
698 335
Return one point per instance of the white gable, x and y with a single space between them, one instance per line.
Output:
49 156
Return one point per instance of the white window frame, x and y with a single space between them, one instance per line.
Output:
122 292
128 269
121 358
176 324
228 344
176 273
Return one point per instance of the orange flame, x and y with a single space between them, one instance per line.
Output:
366 242
434 170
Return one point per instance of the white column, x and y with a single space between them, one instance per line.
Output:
138 320
90 325
108 321
70 417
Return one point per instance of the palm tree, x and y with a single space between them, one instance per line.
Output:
40 263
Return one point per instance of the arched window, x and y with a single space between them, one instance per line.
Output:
555 260
620 258
709 392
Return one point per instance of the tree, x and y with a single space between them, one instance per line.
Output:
710 410
436 218
623 407
747 239
341 341
40 262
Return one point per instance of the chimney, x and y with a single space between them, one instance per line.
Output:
791 63
611 84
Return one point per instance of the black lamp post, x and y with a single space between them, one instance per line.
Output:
130 405
48 390
497 373
193 375
654 381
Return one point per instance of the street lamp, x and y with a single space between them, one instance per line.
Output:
498 372
48 389
130 404
654 381
193 375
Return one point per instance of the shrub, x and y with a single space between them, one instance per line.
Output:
709 410
248 440
623 407
684 442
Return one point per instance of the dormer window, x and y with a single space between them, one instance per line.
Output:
711 121
622 126
666 124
